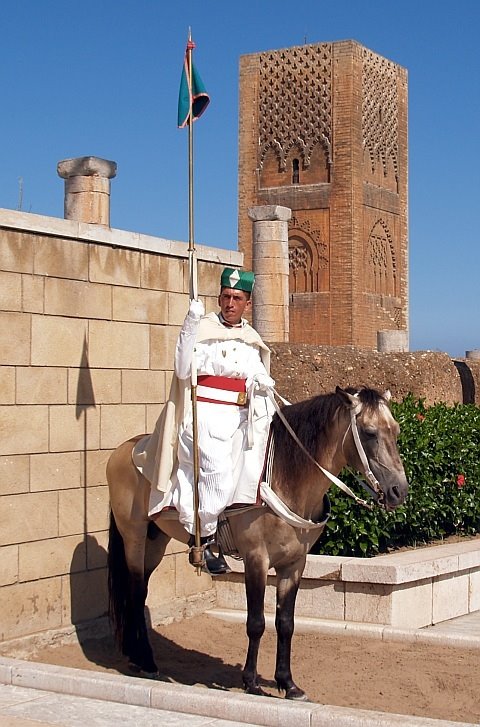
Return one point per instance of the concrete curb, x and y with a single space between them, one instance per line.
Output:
364 630
263 711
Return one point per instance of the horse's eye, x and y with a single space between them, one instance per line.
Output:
370 432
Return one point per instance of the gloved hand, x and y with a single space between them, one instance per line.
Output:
263 382
196 309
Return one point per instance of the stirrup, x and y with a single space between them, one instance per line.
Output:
215 565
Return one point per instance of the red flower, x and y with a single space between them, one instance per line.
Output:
420 417
460 481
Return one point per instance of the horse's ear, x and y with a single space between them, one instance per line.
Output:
350 399
387 395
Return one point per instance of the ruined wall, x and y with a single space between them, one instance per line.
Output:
88 320
303 370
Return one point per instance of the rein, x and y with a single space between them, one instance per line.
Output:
372 487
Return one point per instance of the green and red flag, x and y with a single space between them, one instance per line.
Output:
192 97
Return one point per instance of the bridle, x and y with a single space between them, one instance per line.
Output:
372 486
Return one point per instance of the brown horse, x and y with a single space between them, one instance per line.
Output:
348 427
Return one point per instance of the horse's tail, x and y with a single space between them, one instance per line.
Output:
118 581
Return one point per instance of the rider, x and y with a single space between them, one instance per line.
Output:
233 410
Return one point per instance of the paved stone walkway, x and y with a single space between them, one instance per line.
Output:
41 695
468 625
20 707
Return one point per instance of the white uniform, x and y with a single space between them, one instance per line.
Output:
231 438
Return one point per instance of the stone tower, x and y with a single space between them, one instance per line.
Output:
323 131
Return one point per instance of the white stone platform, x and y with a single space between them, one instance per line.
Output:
43 695
409 589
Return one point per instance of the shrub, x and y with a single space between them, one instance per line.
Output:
440 450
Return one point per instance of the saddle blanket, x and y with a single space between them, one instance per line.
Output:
258 495
246 492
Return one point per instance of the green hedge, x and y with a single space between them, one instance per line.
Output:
440 450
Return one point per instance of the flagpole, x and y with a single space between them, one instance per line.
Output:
197 552
191 236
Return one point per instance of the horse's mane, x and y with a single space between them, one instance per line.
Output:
309 420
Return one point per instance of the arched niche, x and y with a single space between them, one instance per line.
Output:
271 174
381 262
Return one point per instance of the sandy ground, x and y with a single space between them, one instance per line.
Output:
414 679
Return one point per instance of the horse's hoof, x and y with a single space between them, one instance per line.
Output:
296 694
256 690
143 672
151 675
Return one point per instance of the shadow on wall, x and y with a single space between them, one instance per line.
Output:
467 381
88 573
88 591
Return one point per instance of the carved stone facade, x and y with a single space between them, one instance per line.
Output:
323 130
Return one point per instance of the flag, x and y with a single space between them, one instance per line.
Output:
196 96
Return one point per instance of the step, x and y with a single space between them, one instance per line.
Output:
408 589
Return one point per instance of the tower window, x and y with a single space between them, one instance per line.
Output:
295 171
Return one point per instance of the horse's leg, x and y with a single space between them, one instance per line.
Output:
135 642
155 547
127 595
288 581
256 569
126 557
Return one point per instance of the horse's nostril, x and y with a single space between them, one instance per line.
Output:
396 491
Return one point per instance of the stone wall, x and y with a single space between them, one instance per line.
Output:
88 321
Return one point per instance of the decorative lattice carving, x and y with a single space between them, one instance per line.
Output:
295 101
307 255
380 111
298 257
314 237
381 260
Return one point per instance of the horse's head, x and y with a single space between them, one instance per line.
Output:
370 444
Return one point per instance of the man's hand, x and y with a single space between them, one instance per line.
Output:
196 309
263 382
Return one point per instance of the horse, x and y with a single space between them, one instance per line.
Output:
313 440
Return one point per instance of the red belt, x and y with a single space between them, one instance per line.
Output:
222 390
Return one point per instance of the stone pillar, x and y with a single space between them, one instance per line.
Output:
270 265
393 341
473 355
87 189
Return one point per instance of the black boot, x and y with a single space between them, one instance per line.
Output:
215 565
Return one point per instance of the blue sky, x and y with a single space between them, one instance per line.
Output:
101 78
